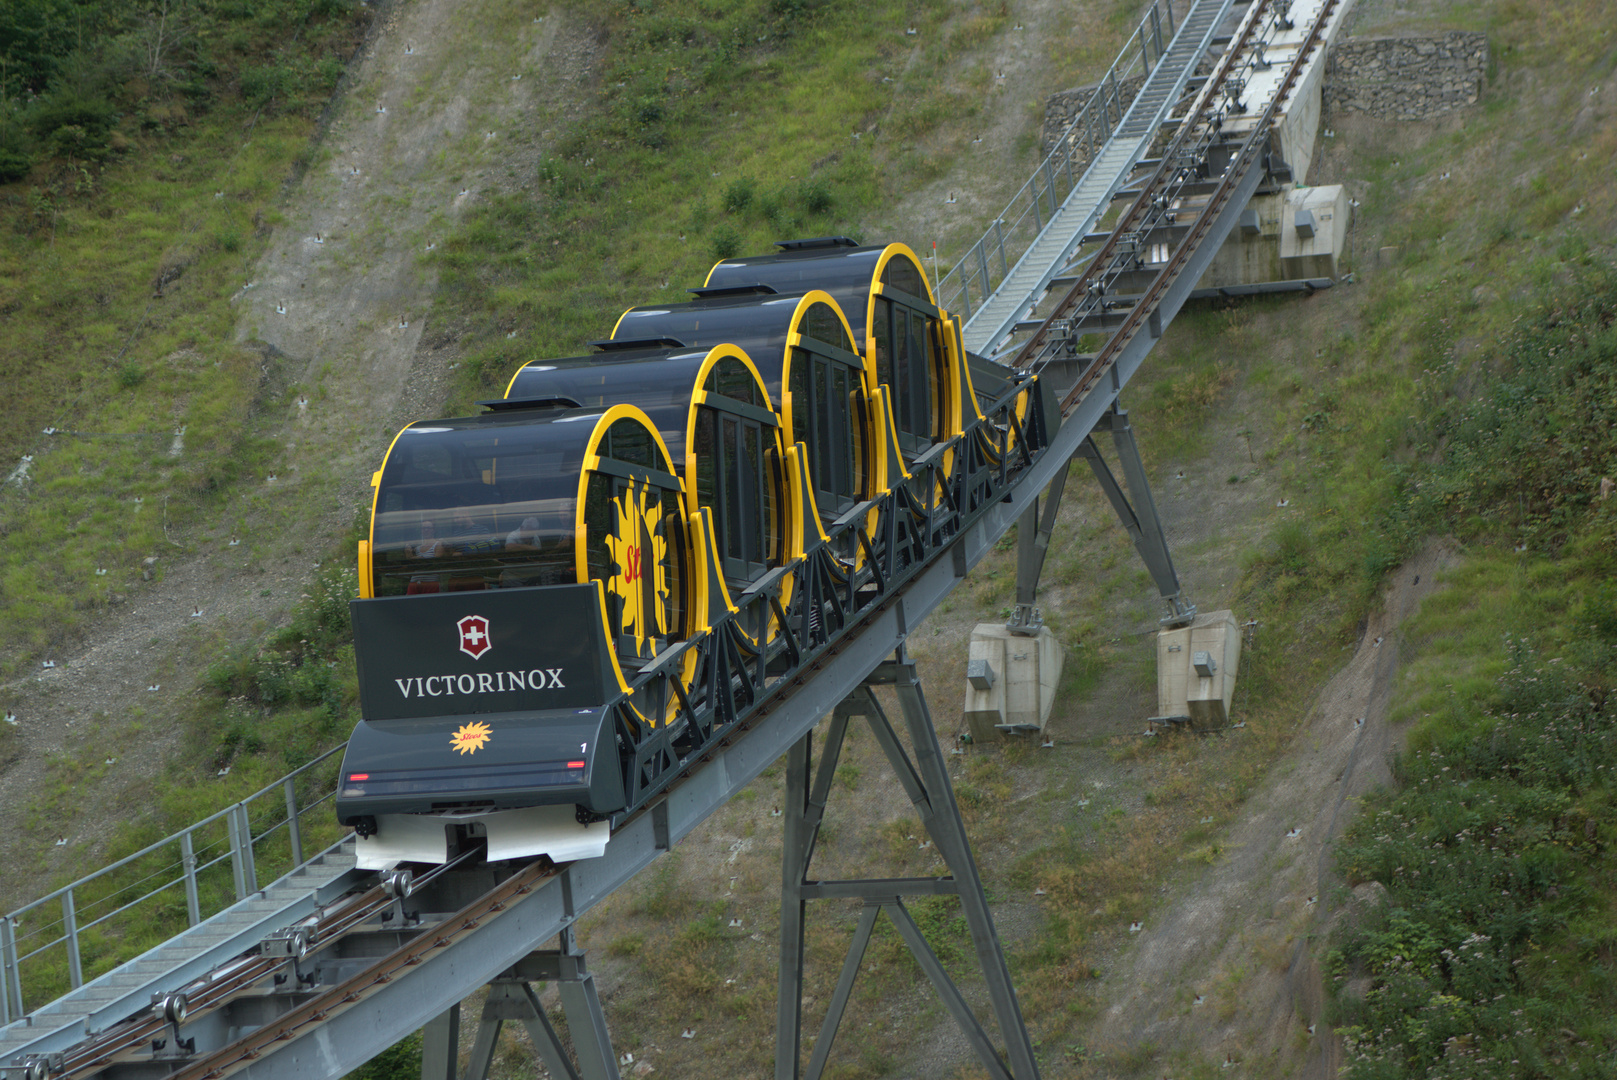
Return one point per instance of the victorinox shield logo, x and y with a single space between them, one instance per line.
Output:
474 640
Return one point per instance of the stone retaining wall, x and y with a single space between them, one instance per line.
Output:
1407 78
1060 108
1394 78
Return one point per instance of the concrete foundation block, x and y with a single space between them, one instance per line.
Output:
1196 668
1022 690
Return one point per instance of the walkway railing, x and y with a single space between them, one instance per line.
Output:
125 908
988 262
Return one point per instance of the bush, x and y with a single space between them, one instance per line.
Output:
726 243
261 84
815 196
14 164
738 195
72 125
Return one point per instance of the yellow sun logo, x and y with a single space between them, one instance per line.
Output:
639 547
470 738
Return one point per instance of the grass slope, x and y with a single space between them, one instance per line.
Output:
121 246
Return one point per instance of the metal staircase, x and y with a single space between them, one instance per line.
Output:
1060 229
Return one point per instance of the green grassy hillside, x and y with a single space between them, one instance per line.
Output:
143 152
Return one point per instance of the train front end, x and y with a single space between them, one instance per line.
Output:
519 562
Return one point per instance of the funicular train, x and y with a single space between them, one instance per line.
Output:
566 596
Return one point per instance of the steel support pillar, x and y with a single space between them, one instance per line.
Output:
440 1045
926 780
1033 531
1140 516
512 997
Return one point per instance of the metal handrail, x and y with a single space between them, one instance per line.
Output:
238 850
988 262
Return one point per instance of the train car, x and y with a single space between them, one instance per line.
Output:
803 349
519 563
910 343
718 420
566 597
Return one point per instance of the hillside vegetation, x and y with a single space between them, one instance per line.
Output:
143 151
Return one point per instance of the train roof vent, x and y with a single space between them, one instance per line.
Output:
625 344
515 404
757 287
817 242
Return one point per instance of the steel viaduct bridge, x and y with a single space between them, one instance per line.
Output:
322 969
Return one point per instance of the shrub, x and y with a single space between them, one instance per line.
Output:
73 125
738 195
815 196
726 242
261 84
14 164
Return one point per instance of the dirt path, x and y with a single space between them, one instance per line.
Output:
1225 971
339 307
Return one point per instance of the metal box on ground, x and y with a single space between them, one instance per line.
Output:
1011 681
1196 668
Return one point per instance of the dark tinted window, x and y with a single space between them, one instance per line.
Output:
466 508
907 358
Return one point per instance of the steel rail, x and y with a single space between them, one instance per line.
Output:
1245 159
216 989
354 989
1167 165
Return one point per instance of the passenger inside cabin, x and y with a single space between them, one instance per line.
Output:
430 546
471 536
524 537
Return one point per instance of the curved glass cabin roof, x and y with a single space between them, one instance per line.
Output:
847 273
492 501
888 301
660 382
826 410
758 324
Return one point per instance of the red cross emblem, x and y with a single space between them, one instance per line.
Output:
474 640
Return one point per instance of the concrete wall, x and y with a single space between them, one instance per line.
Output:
1060 108
1407 78
1395 78
1276 252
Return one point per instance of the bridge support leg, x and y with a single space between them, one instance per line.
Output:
440 1045
1032 544
926 781
511 997
585 1019
514 999
1140 516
